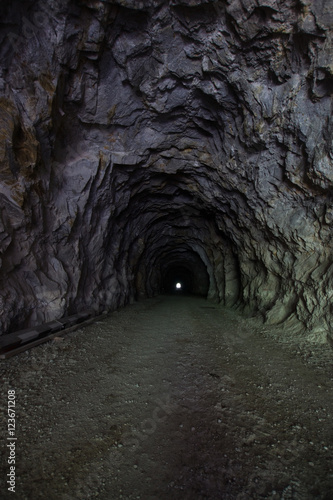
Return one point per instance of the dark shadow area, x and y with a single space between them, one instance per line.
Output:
179 280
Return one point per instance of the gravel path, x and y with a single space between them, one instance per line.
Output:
171 398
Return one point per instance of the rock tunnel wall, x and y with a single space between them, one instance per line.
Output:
137 136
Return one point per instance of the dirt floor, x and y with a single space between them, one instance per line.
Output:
171 398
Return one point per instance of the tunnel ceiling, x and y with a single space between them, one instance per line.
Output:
138 136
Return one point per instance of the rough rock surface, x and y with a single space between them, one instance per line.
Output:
141 136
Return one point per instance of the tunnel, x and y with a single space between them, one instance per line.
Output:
190 279
147 142
166 250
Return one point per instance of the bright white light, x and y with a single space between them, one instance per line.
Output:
178 285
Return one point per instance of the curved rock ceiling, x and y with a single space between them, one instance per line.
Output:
139 139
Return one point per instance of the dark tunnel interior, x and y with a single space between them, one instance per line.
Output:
178 280
166 142
146 144
181 280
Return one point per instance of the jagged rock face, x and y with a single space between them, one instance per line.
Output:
141 139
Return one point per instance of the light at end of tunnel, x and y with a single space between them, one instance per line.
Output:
178 286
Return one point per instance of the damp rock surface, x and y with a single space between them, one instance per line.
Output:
140 137
172 397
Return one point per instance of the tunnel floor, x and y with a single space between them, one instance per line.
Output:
172 398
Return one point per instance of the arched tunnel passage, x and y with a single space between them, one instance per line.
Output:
145 143
185 268
192 148
180 260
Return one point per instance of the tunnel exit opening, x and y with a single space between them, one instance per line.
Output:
180 280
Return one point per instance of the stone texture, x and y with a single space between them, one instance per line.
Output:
140 136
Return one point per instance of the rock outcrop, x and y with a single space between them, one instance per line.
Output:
140 137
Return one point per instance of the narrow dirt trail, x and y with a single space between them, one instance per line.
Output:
170 398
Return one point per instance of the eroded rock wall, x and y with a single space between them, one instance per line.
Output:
134 133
